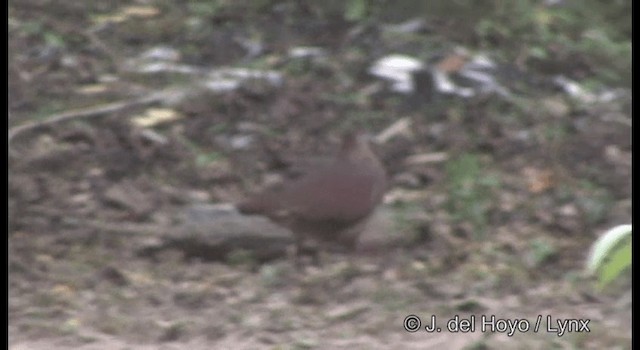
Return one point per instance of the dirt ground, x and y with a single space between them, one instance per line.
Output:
498 225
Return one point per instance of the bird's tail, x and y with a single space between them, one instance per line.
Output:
261 204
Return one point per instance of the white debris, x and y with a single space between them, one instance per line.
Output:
229 79
398 70
158 67
444 85
161 53
411 26
306 52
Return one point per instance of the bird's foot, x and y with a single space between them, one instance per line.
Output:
307 256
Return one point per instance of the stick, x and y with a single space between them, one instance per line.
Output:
87 113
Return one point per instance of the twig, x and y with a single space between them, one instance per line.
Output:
399 127
425 158
126 227
87 113
100 45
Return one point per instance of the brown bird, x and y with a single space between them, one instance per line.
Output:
330 203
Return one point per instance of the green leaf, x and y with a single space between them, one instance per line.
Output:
603 246
620 259
610 254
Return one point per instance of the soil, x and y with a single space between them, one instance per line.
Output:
501 226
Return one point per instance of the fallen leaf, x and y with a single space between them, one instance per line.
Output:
155 116
538 180
140 11
91 89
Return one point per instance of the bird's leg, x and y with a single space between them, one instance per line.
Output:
308 252
300 251
305 249
315 257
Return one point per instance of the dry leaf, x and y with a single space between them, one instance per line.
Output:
91 89
140 11
453 62
538 180
155 116
127 13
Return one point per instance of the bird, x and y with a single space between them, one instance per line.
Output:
331 203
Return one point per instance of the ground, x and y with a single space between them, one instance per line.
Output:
497 221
